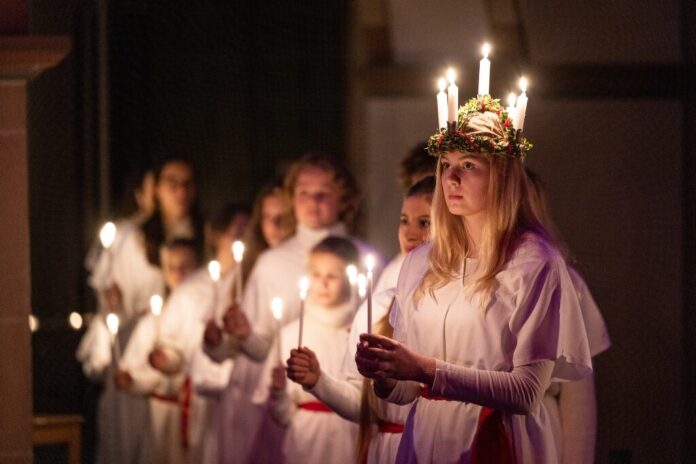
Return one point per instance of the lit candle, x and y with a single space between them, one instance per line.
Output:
452 96
484 71
277 308
511 99
107 236
112 323
156 303
75 320
352 273
442 105
304 288
369 264
214 271
521 108
238 254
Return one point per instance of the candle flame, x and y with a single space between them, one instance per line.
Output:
75 320
486 49
511 99
304 287
156 303
33 323
277 308
451 75
214 270
362 285
352 273
369 263
107 234
442 84
112 323
238 251
523 84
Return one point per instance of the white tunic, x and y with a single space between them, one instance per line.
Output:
390 274
312 436
533 315
277 273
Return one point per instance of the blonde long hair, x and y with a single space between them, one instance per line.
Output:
511 212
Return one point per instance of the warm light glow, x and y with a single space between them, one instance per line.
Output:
362 285
523 84
511 99
156 303
304 287
238 251
33 323
442 84
485 50
277 308
370 263
214 270
352 273
75 320
112 323
451 75
107 234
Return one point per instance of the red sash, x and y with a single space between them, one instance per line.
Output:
185 412
491 445
389 427
316 406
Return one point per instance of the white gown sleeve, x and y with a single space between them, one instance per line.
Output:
342 396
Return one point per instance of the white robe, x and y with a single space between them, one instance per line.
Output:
277 273
312 436
190 306
390 274
533 315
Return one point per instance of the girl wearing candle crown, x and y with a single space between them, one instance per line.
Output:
314 434
381 423
486 315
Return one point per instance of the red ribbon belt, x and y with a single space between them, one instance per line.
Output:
185 412
389 427
491 445
316 406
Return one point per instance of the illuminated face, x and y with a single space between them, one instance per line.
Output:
414 225
275 225
316 198
328 285
465 181
175 189
177 264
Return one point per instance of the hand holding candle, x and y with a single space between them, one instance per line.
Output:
484 71
277 309
304 289
369 264
112 324
238 254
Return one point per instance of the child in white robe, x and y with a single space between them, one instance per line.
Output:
315 434
138 377
380 422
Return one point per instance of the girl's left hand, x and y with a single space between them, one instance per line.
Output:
380 357
278 381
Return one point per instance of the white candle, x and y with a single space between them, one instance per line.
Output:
304 288
511 100
214 271
369 264
452 96
112 324
521 108
277 308
484 71
238 254
156 303
107 236
442 104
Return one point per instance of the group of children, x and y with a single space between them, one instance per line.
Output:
216 377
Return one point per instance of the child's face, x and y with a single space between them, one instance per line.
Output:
414 225
328 283
177 264
316 198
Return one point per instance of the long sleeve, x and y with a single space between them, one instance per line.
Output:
517 391
578 410
342 396
404 392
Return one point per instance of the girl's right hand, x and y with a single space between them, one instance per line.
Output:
278 381
303 367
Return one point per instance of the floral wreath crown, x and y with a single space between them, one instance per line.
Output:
482 125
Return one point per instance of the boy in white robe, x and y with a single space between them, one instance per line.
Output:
315 434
